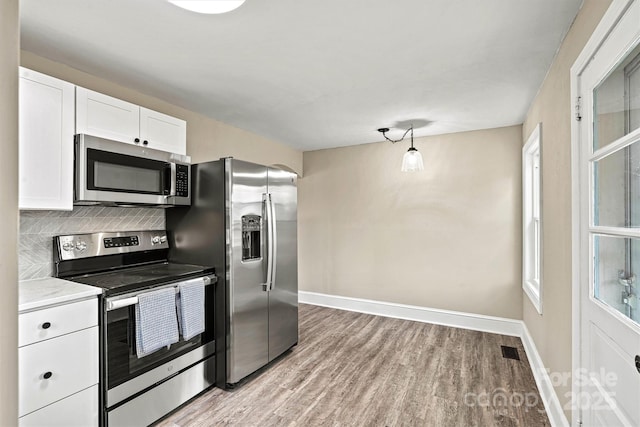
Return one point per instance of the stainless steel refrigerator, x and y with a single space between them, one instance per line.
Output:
243 222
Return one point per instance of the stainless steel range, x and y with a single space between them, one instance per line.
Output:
127 265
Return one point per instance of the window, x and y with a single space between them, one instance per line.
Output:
531 219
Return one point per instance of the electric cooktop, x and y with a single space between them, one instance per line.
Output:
142 277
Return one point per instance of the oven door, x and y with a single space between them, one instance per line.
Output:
120 173
123 373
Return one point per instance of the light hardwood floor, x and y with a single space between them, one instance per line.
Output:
352 369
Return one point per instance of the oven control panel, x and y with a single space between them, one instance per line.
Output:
118 242
89 245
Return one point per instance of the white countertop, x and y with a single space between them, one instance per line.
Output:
39 293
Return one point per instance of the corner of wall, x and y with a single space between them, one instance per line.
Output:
10 54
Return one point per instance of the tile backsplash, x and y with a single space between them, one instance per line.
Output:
38 227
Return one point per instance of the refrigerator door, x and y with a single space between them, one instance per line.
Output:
283 297
246 183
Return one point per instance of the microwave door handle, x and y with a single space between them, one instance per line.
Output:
172 180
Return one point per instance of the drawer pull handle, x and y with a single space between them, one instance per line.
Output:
47 375
46 325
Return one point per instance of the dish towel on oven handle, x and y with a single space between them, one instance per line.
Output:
156 323
191 308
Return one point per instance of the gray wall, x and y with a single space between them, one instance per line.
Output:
9 52
448 237
38 227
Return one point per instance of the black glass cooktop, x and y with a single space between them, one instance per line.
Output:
133 278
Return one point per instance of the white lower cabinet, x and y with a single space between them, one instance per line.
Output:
54 369
58 371
77 410
41 325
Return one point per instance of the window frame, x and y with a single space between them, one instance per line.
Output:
532 217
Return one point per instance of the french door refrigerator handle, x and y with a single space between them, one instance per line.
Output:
274 244
266 200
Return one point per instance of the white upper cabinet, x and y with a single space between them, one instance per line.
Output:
163 132
107 117
46 116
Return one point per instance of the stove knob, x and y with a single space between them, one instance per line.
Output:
163 239
81 246
155 240
68 246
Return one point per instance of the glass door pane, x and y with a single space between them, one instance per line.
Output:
615 283
617 188
617 102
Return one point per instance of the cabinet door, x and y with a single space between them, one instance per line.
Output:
163 132
46 142
106 117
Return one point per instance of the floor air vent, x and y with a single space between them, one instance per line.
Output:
510 352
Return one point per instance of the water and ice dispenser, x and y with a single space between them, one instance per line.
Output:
251 237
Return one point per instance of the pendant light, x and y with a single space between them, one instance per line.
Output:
412 160
208 6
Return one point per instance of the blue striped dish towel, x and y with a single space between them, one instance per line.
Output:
191 308
156 323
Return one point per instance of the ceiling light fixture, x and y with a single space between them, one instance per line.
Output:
208 6
412 160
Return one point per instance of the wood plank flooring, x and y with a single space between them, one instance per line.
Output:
352 369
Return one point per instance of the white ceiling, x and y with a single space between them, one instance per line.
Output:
316 73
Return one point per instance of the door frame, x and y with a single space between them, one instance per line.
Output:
608 22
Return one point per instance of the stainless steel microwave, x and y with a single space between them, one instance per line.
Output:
115 173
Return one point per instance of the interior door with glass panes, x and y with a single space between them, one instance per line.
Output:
610 229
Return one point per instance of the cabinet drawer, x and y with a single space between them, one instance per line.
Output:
80 409
55 321
54 369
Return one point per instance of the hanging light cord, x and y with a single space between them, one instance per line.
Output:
384 130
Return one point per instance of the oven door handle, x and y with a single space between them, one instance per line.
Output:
119 302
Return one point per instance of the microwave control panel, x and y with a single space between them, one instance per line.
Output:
182 181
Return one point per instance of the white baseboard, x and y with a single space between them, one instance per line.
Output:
456 319
543 381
